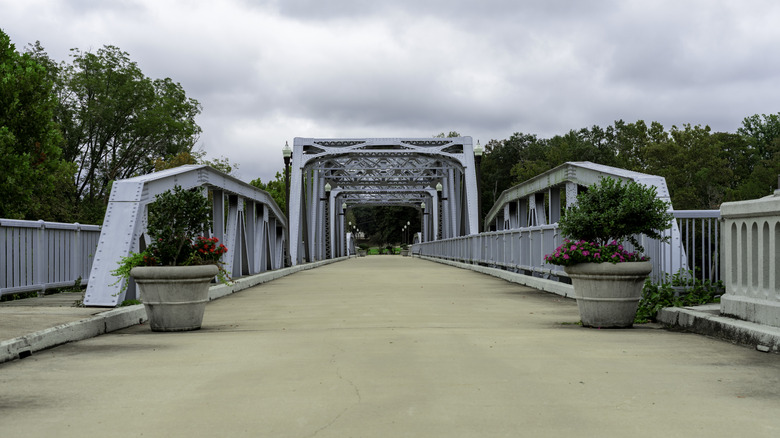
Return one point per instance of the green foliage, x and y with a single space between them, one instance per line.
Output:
679 290
177 222
384 224
176 218
126 303
276 188
702 169
615 211
116 123
34 173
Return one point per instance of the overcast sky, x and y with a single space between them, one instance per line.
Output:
267 71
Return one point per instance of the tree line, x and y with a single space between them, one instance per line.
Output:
702 168
69 129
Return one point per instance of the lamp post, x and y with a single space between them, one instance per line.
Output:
408 233
327 219
422 222
477 165
287 154
440 198
341 224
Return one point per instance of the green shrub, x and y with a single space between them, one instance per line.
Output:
680 290
614 211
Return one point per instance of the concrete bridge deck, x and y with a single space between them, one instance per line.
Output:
391 346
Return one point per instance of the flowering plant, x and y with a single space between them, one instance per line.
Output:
607 214
573 252
177 221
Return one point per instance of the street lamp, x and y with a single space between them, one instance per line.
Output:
422 222
327 220
477 165
440 198
341 224
287 154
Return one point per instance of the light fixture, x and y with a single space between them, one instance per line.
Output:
286 151
439 187
478 150
422 205
327 187
344 206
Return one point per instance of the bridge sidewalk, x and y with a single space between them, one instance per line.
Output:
392 346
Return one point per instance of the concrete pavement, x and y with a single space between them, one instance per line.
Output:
392 346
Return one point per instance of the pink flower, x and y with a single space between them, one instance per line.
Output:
597 255
573 247
566 257
586 253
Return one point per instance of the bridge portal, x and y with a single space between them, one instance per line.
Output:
436 176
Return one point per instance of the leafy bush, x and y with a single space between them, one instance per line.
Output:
680 290
613 211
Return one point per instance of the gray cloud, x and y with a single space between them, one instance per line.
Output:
269 70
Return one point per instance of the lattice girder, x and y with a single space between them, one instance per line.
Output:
379 171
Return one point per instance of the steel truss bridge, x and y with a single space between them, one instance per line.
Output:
436 176
331 175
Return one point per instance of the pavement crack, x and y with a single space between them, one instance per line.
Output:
344 411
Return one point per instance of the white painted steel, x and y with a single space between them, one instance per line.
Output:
378 171
38 255
253 229
524 230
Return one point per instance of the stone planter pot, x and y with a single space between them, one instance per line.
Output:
361 253
608 294
175 297
405 252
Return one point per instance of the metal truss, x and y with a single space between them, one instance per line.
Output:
246 220
378 171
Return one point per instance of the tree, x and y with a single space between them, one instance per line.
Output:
222 164
33 171
117 122
498 160
761 133
275 188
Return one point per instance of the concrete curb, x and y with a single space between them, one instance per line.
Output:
558 288
706 320
117 319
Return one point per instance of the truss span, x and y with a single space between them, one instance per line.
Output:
378 171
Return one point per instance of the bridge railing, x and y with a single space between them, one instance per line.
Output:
522 250
38 255
246 219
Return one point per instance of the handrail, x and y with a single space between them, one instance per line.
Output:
39 255
522 250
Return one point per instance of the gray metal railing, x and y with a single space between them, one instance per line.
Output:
522 250
38 255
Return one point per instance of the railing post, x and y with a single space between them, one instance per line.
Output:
40 262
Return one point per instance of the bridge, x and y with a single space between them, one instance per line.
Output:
383 345
435 177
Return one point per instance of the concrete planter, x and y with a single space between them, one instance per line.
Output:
361 252
175 297
608 294
405 252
